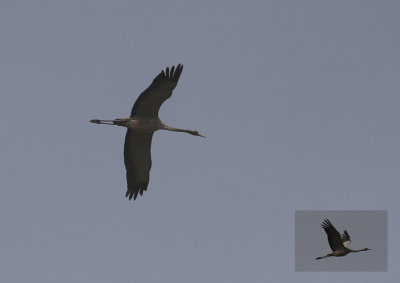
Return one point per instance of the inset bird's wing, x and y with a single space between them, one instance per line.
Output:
137 162
149 102
346 239
334 239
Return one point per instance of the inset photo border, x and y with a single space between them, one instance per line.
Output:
367 230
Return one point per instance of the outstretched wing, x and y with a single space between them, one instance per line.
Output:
346 239
334 239
149 102
137 162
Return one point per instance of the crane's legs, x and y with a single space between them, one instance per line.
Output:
328 255
104 122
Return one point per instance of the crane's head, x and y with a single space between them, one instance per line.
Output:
366 249
196 133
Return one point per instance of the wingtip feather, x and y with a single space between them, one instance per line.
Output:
136 189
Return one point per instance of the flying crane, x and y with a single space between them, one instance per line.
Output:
142 123
338 243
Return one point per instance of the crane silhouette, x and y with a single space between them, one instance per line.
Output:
142 123
338 243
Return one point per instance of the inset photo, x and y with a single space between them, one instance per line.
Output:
348 240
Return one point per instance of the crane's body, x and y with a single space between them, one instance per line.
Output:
338 243
341 252
142 123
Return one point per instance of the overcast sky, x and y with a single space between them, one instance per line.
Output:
299 101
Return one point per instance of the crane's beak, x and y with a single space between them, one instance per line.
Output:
200 135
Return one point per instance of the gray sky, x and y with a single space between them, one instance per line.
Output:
299 101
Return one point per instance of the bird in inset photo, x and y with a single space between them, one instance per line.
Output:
142 123
338 243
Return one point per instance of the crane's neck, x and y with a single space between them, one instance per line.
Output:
169 128
356 251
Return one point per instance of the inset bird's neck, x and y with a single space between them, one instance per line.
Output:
356 251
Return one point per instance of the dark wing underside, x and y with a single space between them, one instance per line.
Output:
137 162
334 239
149 102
